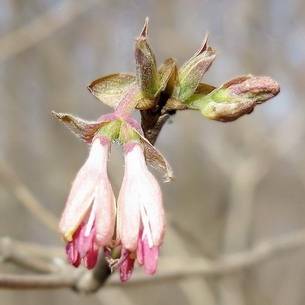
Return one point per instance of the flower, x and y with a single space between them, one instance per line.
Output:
88 220
140 220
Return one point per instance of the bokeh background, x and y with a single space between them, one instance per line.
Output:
237 184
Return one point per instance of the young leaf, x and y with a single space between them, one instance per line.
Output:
166 71
190 74
147 75
83 129
111 88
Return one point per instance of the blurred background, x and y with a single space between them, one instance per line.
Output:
237 184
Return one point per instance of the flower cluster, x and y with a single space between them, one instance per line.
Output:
128 229
131 228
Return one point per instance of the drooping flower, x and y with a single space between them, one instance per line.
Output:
140 220
89 217
88 220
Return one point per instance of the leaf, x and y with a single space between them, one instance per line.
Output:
147 76
83 129
146 68
204 88
166 71
111 88
192 71
155 159
129 101
145 103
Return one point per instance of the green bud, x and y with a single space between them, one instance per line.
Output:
191 73
235 98
146 68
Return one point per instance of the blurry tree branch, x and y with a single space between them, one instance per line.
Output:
244 180
244 174
26 198
42 26
170 268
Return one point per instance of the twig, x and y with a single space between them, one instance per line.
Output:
175 268
42 26
152 124
49 281
170 268
20 257
92 281
26 198
34 249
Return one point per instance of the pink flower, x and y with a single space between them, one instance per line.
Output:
140 217
88 220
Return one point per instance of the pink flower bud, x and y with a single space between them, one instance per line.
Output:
89 217
141 221
126 265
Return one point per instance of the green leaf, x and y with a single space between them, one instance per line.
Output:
146 68
155 159
166 72
191 72
85 130
111 88
204 89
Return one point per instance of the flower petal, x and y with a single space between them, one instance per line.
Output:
83 189
72 253
90 259
128 214
140 195
153 206
126 267
150 257
105 213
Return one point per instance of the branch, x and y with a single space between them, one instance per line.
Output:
10 253
33 249
152 124
26 198
170 268
49 281
176 268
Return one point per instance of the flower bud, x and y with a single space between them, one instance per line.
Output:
88 220
235 98
140 204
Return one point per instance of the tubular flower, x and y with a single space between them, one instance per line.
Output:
140 217
88 220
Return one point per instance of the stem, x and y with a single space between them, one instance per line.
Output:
152 120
